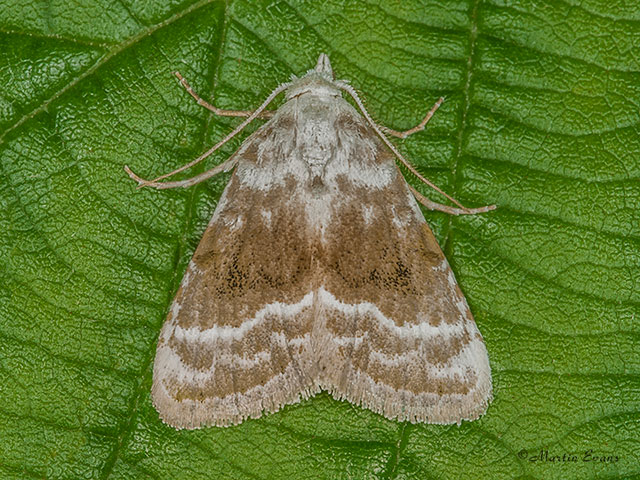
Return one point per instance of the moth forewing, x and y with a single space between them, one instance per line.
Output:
237 341
318 271
399 336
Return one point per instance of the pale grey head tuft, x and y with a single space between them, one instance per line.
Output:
323 67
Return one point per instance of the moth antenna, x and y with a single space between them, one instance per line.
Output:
144 183
351 91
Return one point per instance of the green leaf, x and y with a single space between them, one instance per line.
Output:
542 117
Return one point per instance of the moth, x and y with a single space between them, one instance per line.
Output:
317 272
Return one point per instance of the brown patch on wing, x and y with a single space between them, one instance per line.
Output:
393 252
247 261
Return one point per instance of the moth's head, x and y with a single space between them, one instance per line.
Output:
319 81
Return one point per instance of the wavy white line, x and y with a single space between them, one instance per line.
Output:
421 330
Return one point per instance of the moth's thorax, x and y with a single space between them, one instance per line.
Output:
315 103
315 143
316 132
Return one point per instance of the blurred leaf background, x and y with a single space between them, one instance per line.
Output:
541 117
